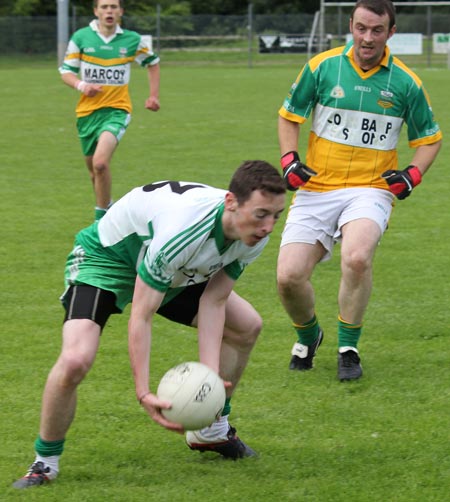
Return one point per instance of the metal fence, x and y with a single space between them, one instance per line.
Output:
203 33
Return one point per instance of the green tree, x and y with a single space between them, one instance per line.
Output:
240 7
6 7
28 7
168 7
84 7
285 6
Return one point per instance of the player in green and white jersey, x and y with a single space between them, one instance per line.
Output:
174 249
98 63
359 96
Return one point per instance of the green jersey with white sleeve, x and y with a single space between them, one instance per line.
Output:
357 117
97 59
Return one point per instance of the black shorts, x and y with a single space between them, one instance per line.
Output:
89 302
184 307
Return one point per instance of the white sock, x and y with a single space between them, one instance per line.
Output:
98 208
52 462
345 349
218 430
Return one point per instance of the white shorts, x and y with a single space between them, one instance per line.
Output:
319 216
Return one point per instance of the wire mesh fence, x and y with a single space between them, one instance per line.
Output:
231 38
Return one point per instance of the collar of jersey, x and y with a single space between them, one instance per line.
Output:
217 232
94 25
386 60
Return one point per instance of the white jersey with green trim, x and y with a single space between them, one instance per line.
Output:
168 232
106 61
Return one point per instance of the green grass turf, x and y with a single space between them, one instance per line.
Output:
383 438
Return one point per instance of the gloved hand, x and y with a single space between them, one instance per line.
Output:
295 172
401 183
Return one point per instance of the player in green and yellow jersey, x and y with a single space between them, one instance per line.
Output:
97 63
359 96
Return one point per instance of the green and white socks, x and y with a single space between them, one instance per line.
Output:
48 452
219 429
99 212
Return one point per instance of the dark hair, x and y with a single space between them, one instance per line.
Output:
95 3
254 175
378 7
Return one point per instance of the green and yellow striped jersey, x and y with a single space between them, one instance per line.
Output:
106 61
357 117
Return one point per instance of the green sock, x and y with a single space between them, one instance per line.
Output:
348 334
99 213
227 407
48 448
309 332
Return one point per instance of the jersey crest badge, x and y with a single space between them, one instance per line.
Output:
385 104
337 92
386 99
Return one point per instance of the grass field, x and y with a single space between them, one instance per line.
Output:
383 438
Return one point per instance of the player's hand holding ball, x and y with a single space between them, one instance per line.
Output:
401 183
154 406
295 173
196 394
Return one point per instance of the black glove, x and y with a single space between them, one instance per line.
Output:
401 183
295 173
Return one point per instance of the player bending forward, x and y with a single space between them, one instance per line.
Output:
189 243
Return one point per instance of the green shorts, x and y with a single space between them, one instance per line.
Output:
90 264
105 119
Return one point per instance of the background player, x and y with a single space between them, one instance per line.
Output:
360 95
100 55
189 244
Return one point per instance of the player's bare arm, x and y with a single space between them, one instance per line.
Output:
424 156
146 302
152 102
85 88
288 135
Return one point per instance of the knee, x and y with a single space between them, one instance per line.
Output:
244 338
284 283
73 368
100 166
287 281
257 326
357 262
250 335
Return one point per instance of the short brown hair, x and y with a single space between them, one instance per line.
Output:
378 7
254 175
95 3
